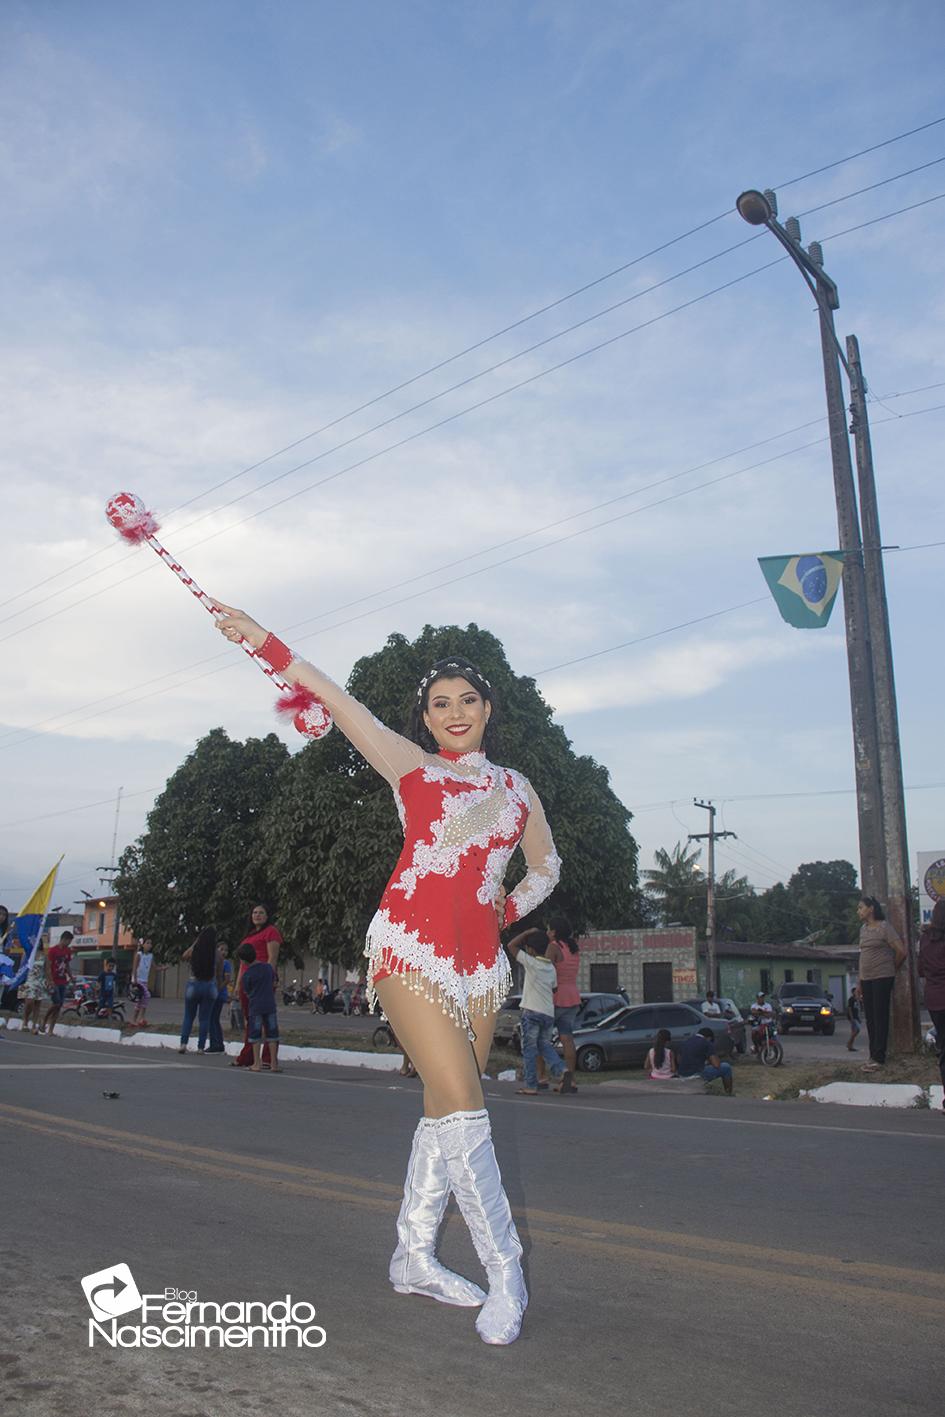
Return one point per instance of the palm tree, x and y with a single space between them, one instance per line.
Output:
677 885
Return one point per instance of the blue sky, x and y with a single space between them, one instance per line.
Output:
230 224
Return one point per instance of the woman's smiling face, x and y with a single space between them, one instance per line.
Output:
456 715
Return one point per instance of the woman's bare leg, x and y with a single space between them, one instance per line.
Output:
439 1049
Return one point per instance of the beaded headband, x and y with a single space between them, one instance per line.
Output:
441 671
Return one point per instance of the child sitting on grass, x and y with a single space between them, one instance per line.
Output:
258 980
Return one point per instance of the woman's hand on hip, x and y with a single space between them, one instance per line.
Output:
236 625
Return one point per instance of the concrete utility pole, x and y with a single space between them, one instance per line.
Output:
711 836
873 875
905 1018
884 860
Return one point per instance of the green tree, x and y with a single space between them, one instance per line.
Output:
332 834
676 885
199 861
826 894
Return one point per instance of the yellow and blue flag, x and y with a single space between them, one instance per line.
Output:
28 926
804 587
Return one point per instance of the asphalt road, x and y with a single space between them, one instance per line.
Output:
687 1254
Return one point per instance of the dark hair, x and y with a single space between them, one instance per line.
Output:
110 959
707 1033
874 905
247 954
203 953
936 926
659 1052
456 667
66 935
538 941
564 932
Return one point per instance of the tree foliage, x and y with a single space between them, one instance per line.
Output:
199 861
331 836
817 904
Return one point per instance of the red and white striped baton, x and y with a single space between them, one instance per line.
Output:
136 525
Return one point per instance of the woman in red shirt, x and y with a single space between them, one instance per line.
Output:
265 940
564 953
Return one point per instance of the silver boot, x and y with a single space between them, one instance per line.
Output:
465 1140
414 1268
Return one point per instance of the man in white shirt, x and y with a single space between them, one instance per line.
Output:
711 1007
538 1012
761 1012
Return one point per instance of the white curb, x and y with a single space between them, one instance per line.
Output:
339 1057
869 1094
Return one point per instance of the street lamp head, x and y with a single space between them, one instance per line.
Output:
754 208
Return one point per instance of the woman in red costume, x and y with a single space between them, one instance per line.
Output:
435 960
265 940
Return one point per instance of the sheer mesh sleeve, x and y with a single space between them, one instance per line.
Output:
544 864
392 755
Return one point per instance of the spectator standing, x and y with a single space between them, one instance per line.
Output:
881 954
259 987
266 942
854 1014
201 987
698 1058
932 970
106 985
58 978
538 1011
661 1060
141 966
564 952
224 976
347 990
35 993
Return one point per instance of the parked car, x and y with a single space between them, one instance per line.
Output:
624 1039
594 1007
804 1006
732 1015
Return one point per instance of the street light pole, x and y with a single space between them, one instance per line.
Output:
884 855
905 1008
760 209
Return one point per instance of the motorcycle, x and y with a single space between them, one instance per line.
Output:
768 1045
297 992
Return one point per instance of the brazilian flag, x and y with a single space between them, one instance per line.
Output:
804 587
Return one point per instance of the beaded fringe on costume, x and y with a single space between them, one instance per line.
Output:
393 949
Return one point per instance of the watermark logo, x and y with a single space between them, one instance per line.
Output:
111 1292
179 1318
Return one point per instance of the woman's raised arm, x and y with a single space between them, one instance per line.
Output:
392 755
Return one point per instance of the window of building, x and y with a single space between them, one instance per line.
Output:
766 981
101 922
789 976
813 976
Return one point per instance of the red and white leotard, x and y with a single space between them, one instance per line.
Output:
462 818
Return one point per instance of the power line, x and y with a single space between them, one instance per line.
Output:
419 594
516 324
493 398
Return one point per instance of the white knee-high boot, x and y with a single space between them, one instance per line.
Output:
465 1140
414 1268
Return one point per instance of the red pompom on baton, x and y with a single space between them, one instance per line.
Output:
136 525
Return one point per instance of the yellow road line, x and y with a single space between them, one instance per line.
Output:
611 1239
